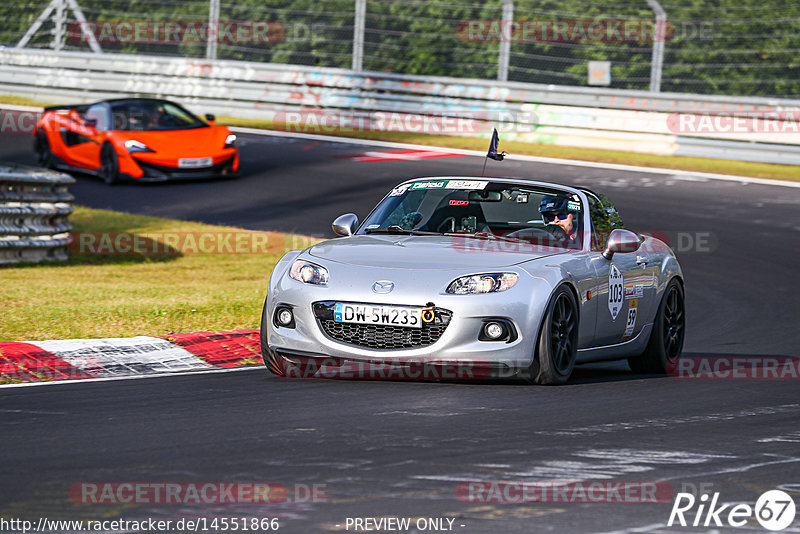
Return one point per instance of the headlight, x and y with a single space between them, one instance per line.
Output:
482 283
230 141
309 273
136 146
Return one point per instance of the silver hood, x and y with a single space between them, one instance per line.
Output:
427 252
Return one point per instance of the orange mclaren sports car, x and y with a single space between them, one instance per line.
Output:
142 139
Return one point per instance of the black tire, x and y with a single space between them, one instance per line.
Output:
274 363
669 330
44 154
557 348
109 165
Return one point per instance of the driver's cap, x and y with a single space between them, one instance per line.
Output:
554 203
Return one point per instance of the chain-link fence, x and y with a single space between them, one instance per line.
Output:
736 47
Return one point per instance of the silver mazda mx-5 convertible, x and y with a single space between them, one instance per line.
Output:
464 277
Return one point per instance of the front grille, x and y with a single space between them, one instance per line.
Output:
151 170
381 337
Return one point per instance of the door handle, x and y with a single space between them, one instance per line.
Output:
642 260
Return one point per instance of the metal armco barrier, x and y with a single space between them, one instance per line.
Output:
635 121
34 209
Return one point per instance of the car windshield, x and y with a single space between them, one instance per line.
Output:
152 115
481 209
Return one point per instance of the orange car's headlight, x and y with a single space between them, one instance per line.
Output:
137 146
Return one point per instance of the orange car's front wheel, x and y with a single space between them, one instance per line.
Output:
44 154
109 164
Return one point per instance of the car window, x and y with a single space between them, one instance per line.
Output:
605 218
152 115
98 112
475 206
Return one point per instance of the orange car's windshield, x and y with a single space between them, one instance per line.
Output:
152 115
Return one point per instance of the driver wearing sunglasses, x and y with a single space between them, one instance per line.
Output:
555 211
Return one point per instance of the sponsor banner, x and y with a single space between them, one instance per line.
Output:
597 491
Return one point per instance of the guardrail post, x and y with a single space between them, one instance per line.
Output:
359 23
657 63
213 29
505 40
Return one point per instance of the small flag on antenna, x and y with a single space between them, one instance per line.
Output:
493 146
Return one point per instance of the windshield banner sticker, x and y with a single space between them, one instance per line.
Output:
399 190
449 184
466 184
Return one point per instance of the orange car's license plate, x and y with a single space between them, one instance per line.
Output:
194 163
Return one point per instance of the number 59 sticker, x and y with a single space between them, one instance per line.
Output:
633 308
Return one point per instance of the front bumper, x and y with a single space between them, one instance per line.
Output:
150 172
458 347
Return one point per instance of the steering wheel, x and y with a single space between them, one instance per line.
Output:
556 231
410 220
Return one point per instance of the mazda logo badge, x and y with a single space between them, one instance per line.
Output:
382 286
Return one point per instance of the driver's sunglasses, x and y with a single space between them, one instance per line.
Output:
550 217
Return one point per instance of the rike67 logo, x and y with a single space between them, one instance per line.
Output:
774 510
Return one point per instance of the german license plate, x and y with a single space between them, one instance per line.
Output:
379 315
195 163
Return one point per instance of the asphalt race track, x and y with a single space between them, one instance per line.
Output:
400 449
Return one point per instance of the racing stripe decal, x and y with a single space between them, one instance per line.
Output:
223 349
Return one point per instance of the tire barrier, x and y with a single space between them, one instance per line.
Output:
34 208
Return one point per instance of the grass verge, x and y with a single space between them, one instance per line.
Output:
140 294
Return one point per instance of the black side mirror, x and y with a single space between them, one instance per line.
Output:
210 117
